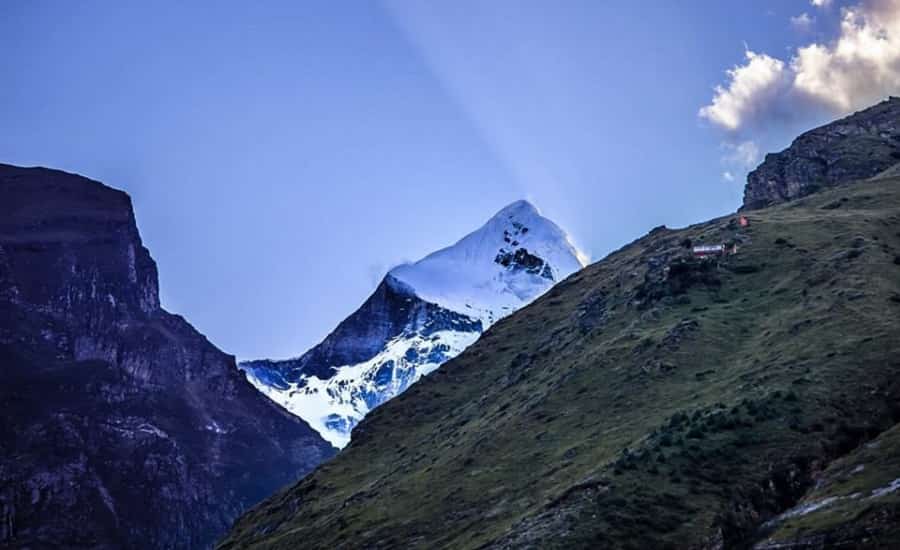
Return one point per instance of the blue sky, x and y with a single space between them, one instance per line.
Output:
283 155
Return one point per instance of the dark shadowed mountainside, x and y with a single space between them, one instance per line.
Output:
390 310
122 426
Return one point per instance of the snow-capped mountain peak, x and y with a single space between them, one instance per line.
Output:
421 315
494 270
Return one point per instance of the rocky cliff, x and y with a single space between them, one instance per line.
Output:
122 426
853 148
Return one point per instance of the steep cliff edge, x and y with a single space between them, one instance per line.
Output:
850 149
122 426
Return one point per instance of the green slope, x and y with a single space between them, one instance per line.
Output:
625 409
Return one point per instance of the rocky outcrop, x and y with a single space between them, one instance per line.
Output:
392 310
522 260
122 426
853 148
394 338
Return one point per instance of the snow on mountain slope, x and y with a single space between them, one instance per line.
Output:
335 405
515 257
422 315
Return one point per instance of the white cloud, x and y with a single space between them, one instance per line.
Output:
803 22
861 66
744 154
820 3
738 159
751 86
856 69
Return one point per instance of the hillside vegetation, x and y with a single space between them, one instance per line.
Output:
648 401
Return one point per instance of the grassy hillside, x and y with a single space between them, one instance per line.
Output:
636 406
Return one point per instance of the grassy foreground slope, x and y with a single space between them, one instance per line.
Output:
645 402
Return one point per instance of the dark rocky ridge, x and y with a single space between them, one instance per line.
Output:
389 312
853 148
522 260
122 426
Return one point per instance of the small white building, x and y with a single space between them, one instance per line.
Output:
709 250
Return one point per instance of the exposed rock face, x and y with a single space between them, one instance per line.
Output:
389 312
122 426
373 355
853 148
522 260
